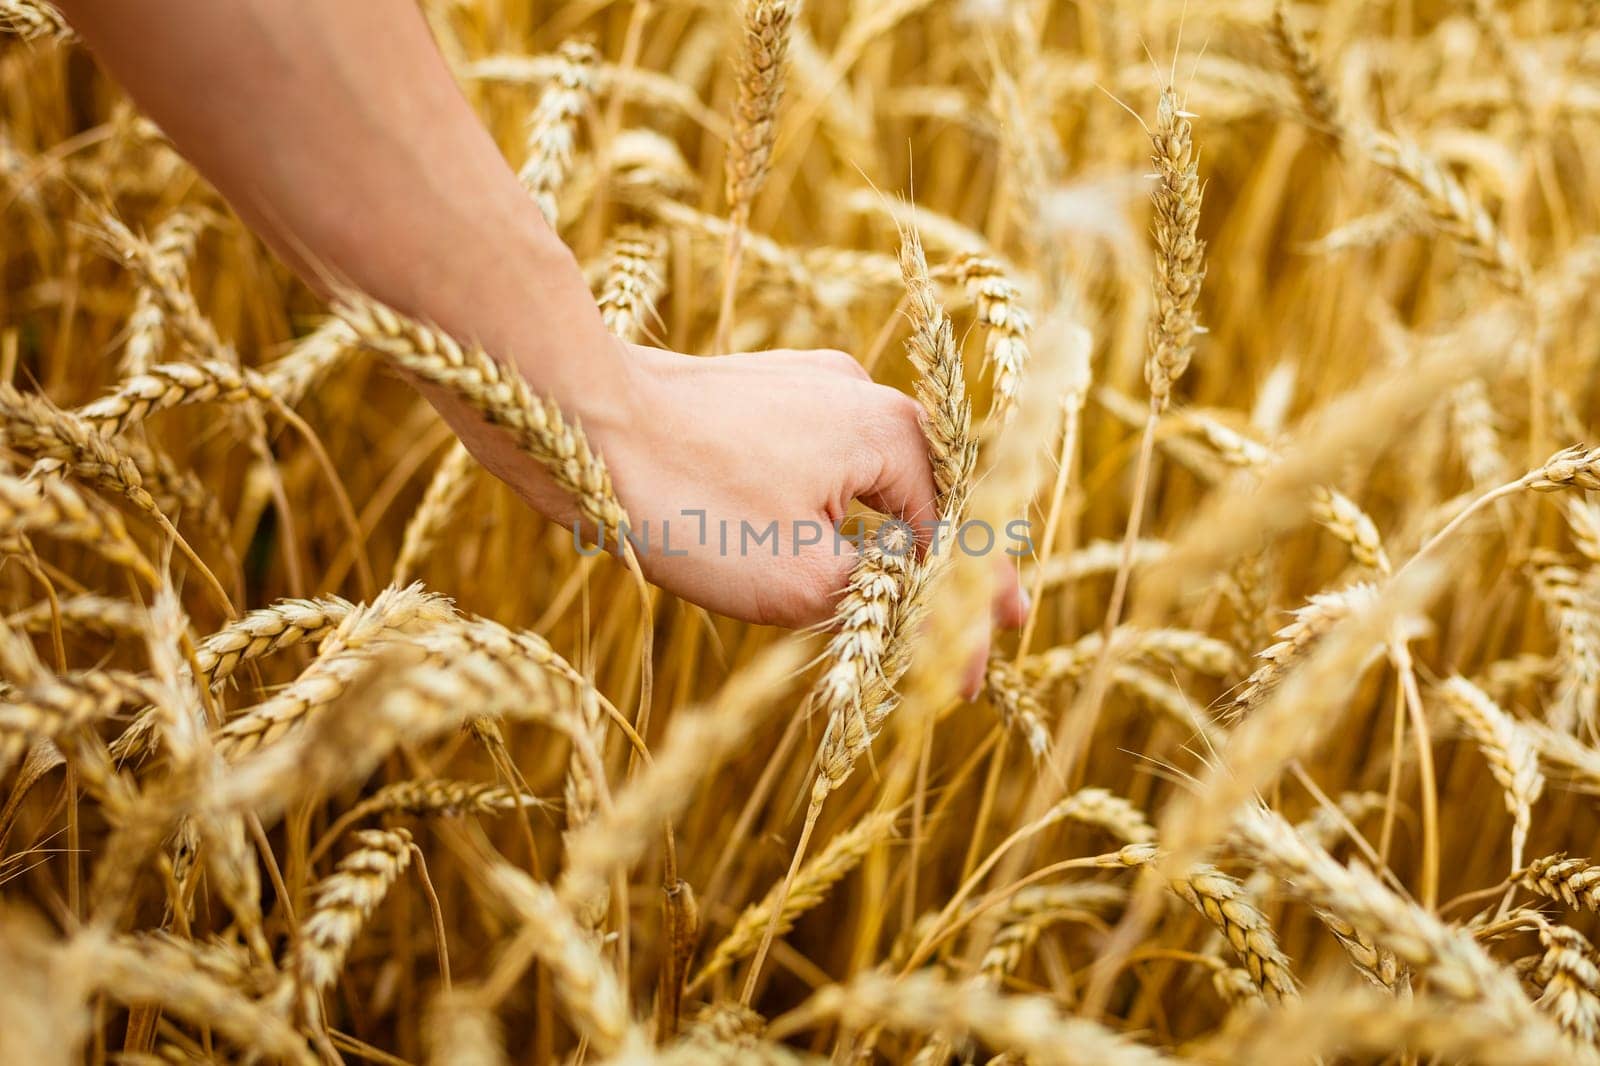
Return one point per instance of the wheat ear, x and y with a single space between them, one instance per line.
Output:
1449 958
1569 970
811 885
35 20
1512 755
632 281
172 243
553 127
496 392
341 904
763 67
56 508
584 983
1576 882
447 488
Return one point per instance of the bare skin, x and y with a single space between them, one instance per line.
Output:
336 131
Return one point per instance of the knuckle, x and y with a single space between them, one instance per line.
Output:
905 409
899 417
842 362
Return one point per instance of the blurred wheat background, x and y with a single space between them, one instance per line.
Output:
1275 321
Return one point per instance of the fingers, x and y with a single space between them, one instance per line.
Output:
977 667
805 589
894 475
827 360
1010 598
1009 611
835 362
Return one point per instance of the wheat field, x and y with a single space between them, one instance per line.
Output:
1272 321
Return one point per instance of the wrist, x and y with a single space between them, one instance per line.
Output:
518 291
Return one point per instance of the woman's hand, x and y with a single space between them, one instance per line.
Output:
747 462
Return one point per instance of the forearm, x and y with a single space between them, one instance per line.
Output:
337 132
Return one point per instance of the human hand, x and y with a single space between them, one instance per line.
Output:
784 437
